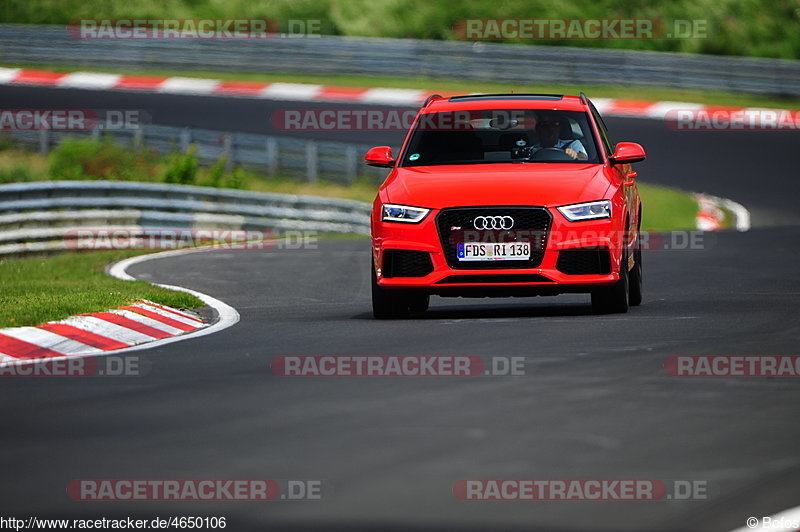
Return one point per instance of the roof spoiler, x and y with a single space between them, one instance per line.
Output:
496 95
431 98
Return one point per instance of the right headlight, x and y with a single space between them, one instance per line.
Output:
402 213
594 210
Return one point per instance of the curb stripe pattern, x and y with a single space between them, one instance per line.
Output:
83 336
711 216
17 348
176 312
294 91
159 317
90 334
127 322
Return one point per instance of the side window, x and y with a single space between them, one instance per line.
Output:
603 131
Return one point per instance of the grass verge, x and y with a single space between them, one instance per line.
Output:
633 92
666 209
36 290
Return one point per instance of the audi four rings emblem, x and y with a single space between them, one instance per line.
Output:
493 222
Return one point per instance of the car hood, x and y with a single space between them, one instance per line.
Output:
543 184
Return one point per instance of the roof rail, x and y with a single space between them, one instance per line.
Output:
584 99
431 98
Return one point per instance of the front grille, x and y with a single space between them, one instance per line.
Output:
456 225
584 261
496 278
406 263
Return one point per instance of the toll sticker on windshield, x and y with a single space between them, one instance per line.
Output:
413 157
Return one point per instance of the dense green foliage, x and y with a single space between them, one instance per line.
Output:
769 28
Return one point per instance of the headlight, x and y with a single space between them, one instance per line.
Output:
403 213
586 211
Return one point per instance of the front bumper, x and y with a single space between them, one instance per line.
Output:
549 278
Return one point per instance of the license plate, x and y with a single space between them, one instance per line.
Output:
488 251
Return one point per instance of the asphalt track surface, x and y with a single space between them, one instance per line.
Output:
595 401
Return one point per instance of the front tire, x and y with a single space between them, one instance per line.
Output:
614 299
387 304
418 302
635 283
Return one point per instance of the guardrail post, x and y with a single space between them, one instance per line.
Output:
312 161
227 151
271 145
351 162
186 139
44 142
138 138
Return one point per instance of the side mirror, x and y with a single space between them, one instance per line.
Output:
380 156
628 152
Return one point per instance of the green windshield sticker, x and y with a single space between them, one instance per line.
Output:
413 157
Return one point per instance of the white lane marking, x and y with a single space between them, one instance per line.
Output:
49 340
780 522
394 96
89 80
290 91
144 320
178 85
167 314
7 75
228 316
741 213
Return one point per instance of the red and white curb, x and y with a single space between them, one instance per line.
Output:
141 325
711 216
298 91
211 87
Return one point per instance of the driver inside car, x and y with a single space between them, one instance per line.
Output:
548 129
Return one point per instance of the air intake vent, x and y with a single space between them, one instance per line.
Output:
584 261
406 263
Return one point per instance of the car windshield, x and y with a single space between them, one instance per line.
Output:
501 136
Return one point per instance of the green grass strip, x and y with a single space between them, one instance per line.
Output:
36 290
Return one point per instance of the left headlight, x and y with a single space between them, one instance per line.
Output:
403 213
586 211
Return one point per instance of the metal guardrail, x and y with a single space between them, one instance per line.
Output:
407 58
40 216
306 159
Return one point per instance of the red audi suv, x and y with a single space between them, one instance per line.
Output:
506 195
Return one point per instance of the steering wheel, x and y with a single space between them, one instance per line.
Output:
551 154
